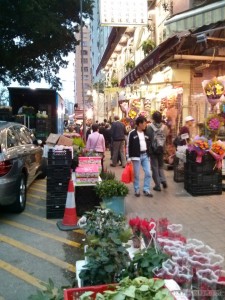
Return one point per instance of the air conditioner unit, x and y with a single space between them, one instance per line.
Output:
202 67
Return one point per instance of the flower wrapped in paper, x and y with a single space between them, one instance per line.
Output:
214 89
200 145
214 122
218 152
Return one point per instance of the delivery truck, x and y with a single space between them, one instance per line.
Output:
41 110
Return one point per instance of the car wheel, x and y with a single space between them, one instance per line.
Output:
21 199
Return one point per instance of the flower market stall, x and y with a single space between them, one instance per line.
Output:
183 268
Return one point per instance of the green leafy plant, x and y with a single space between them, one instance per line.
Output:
144 261
147 46
106 252
102 222
114 82
130 65
140 288
107 175
111 188
50 292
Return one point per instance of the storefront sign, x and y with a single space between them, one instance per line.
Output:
123 12
144 66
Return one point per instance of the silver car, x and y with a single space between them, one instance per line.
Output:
21 162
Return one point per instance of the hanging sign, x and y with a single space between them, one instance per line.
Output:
123 12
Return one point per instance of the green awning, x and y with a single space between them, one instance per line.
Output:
195 18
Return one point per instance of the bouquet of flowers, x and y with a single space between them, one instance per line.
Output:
200 145
214 89
213 123
218 152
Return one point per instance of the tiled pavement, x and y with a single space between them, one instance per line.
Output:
202 217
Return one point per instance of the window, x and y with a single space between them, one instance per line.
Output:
86 77
85 52
85 60
85 43
86 69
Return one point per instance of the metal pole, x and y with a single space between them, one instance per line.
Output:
82 70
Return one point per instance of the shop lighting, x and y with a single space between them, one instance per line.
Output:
202 67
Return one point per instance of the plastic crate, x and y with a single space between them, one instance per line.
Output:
178 175
55 213
203 184
75 293
60 157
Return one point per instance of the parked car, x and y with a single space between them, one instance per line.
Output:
21 162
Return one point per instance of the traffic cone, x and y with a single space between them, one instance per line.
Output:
69 221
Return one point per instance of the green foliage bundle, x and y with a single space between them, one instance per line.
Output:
111 188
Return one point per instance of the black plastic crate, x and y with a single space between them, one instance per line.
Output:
57 188
178 167
56 200
60 157
57 213
203 184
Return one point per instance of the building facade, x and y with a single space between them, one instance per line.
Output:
83 61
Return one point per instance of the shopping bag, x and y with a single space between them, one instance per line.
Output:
131 169
125 177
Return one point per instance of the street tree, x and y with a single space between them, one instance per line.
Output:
36 36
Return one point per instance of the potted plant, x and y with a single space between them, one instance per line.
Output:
114 82
130 65
106 254
147 46
112 192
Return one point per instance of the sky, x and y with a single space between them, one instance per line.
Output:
67 78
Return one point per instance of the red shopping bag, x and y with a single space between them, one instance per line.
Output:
125 177
131 172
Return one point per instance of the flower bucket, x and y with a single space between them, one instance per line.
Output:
115 203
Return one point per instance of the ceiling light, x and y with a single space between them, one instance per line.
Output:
202 67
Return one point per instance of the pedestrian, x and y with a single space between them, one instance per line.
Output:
118 132
184 135
96 143
138 154
157 133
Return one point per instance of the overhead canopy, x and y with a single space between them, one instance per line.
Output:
196 17
151 61
113 40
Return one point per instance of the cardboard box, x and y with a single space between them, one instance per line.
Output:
52 139
65 141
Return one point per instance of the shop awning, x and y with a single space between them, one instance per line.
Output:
113 40
195 18
151 61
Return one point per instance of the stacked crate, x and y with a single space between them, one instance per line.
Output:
58 176
202 178
178 168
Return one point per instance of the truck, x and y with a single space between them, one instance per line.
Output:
41 110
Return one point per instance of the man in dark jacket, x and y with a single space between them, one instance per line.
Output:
157 163
138 149
118 132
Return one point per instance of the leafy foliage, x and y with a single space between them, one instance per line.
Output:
111 188
36 36
140 288
107 175
144 261
106 253
50 292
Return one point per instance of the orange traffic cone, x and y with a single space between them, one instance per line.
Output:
69 221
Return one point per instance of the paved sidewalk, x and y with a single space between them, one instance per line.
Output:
202 217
